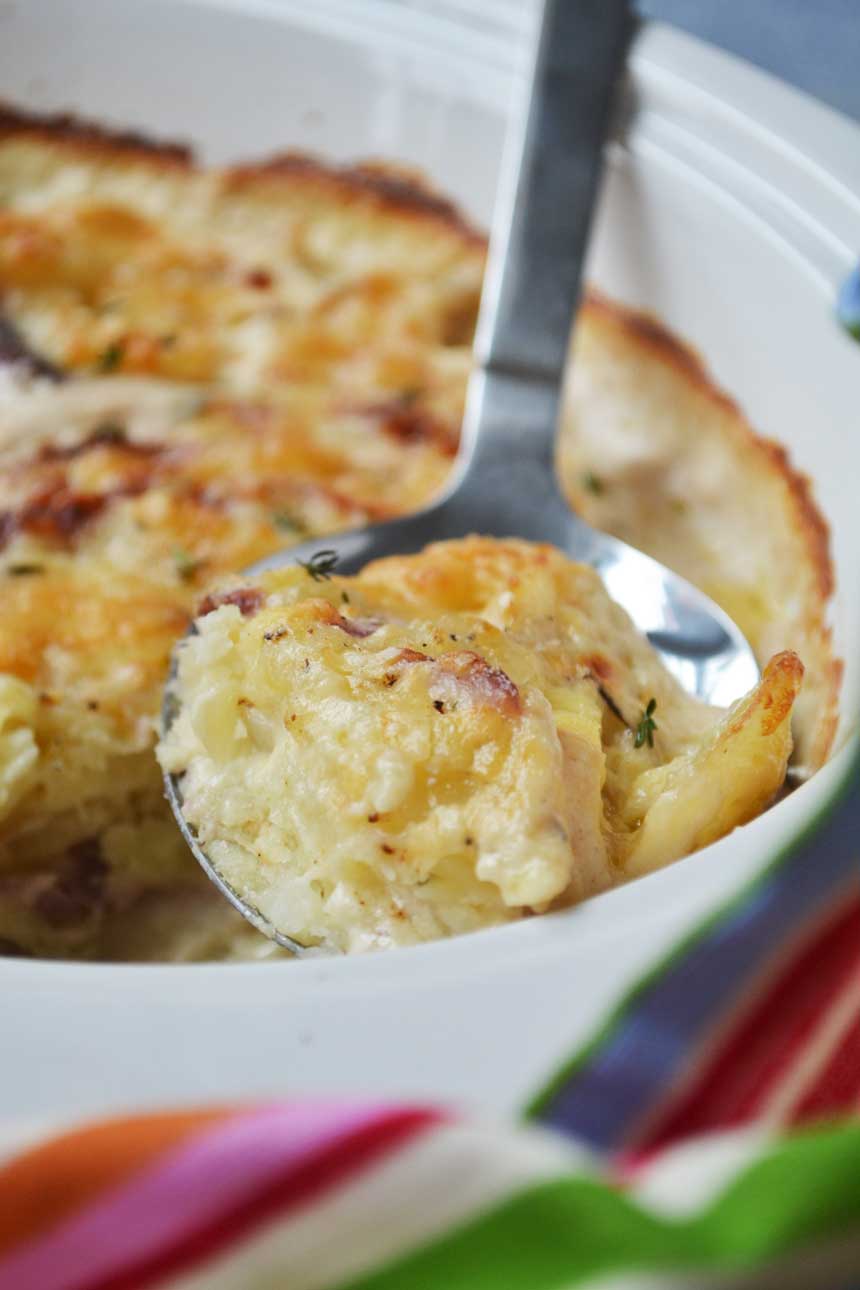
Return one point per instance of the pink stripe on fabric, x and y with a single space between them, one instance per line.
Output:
196 1184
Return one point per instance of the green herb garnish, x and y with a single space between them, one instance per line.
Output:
286 520
111 357
24 570
185 564
647 726
344 597
593 483
110 432
321 564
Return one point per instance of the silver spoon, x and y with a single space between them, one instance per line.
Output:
505 484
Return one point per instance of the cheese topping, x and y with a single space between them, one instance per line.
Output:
448 741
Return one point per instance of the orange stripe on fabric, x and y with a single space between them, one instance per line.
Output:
52 1181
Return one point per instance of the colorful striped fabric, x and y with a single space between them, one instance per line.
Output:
706 1137
361 1197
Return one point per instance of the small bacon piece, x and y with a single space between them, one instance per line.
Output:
598 665
79 888
259 279
403 656
408 655
55 514
417 426
483 683
247 599
359 627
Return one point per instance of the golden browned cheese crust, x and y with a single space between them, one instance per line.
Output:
113 254
257 356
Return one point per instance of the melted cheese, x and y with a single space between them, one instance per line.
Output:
433 746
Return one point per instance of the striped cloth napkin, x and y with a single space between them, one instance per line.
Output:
706 1137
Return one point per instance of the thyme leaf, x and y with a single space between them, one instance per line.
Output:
647 725
111 357
186 565
321 564
24 569
284 519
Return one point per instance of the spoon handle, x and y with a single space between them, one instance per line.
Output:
547 189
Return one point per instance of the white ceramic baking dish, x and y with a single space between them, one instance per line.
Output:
731 212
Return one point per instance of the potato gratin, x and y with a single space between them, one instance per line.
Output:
449 740
200 366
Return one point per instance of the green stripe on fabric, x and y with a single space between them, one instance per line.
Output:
567 1231
538 1103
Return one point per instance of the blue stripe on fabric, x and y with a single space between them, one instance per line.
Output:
624 1077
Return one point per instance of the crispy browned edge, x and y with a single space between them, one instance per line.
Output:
90 137
648 333
388 186
406 191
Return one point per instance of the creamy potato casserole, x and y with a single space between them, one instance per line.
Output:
198 367
449 740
